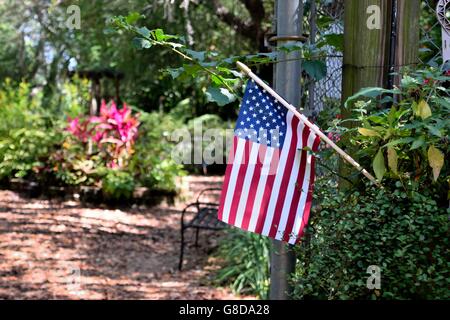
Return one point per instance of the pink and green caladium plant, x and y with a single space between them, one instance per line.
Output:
114 132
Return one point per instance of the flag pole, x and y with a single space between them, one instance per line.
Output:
308 123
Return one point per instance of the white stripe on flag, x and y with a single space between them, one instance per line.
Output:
251 166
256 211
305 190
292 185
279 176
233 178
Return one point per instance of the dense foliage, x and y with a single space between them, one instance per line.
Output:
67 147
245 258
402 228
405 235
26 136
411 136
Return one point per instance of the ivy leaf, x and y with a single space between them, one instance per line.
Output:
191 69
424 110
315 69
368 132
175 72
378 165
221 96
393 160
143 32
197 55
133 17
141 43
159 35
436 160
335 40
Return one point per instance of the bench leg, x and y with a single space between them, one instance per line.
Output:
180 264
196 237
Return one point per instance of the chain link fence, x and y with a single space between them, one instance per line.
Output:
431 34
325 19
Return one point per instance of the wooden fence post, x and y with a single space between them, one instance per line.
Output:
366 54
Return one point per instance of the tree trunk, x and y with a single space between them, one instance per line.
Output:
366 52
370 55
366 59
408 35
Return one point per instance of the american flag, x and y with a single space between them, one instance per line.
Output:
270 174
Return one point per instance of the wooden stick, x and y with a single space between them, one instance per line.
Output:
305 120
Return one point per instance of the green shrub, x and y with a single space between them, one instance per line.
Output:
27 133
404 227
151 162
410 139
19 108
406 236
118 184
26 152
245 258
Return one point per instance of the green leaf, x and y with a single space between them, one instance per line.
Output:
197 55
140 43
414 107
335 40
291 47
392 115
133 17
418 143
434 131
159 35
370 92
221 96
400 142
315 69
108 30
191 69
393 160
378 165
424 110
143 32
175 72
368 132
436 159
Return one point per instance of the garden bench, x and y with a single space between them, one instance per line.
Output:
204 217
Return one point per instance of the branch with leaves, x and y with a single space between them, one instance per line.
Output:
224 80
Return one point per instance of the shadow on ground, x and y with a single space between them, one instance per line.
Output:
65 250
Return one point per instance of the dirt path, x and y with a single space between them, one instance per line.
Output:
63 250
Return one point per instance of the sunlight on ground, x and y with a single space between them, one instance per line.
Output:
53 250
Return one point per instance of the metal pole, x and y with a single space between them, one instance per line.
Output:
312 41
289 15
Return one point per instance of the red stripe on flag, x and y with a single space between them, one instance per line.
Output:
298 187
285 180
227 176
268 191
253 187
307 210
240 181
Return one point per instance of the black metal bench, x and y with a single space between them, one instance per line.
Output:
205 217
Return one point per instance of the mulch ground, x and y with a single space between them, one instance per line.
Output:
53 249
